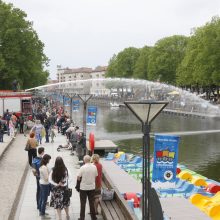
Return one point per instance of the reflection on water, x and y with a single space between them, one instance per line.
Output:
200 153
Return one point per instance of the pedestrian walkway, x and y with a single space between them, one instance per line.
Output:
13 169
27 208
3 146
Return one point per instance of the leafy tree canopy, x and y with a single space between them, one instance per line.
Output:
123 64
201 62
165 57
21 51
141 66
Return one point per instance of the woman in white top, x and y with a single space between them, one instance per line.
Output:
44 184
60 179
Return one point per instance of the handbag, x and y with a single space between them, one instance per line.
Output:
67 191
28 146
107 194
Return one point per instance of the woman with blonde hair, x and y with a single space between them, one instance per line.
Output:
98 181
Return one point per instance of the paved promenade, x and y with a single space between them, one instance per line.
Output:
3 146
13 166
27 207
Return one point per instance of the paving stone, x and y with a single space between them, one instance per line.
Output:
27 207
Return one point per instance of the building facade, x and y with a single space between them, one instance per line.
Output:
96 85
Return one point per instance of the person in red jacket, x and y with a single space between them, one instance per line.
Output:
98 181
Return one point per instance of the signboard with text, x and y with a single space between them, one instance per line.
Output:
76 104
91 117
165 158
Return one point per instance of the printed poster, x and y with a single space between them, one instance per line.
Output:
76 104
91 117
165 158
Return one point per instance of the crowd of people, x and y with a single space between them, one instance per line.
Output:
57 181
9 122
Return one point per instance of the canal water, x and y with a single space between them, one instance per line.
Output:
200 152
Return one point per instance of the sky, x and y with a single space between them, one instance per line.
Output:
86 33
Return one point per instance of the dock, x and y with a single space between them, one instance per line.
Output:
174 208
103 146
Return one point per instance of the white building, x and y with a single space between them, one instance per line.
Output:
97 87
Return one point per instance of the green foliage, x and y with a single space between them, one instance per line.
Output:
141 66
201 65
123 64
21 51
165 58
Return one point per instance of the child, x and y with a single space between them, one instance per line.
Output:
1 132
52 134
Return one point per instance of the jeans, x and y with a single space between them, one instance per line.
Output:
44 192
39 138
83 197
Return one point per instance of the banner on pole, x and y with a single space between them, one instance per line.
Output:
76 105
165 158
66 101
91 117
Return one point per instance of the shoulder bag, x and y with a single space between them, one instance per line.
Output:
28 146
107 194
67 191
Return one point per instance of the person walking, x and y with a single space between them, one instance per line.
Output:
1 132
47 128
35 170
98 181
44 184
21 124
32 152
14 119
11 129
37 128
87 173
52 134
7 117
60 179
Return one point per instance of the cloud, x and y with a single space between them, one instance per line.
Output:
88 32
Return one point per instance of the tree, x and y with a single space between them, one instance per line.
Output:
165 58
141 65
21 51
201 67
123 64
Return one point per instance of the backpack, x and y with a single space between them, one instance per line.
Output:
36 166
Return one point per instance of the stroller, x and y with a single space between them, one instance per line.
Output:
68 146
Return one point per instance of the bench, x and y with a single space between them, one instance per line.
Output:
118 208
110 209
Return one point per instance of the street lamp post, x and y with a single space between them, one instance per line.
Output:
146 111
85 98
71 96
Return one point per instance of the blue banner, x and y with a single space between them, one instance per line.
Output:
91 117
165 158
76 104
66 101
